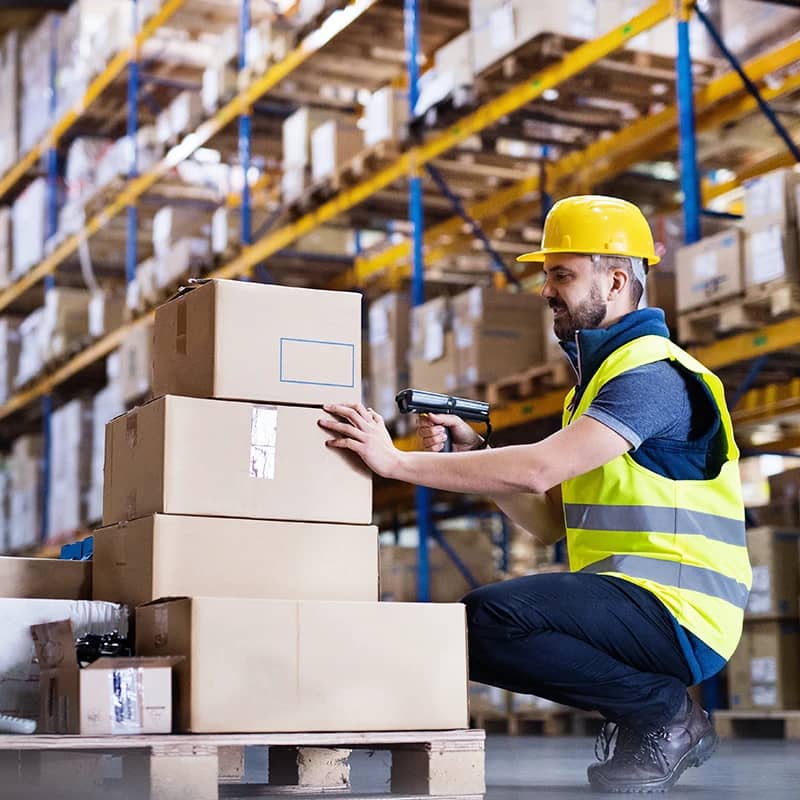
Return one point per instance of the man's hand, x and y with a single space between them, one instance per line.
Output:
431 429
363 431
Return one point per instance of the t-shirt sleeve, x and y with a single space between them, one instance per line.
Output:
644 403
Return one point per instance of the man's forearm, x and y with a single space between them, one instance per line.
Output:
541 515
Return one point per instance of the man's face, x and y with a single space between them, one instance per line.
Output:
575 290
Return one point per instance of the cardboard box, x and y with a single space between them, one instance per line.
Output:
182 455
106 312
710 270
65 320
308 344
111 696
29 216
333 144
25 508
19 672
280 665
294 182
771 254
771 199
135 363
389 332
6 238
784 499
10 346
774 559
297 130
106 405
432 358
385 116
764 672
46 578
174 556
9 100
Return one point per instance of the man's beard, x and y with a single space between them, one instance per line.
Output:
588 314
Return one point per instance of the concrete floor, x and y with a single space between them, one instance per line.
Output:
544 768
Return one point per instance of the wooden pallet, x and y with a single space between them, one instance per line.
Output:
442 764
749 724
758 306
522 385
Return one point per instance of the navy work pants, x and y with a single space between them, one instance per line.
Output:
594 642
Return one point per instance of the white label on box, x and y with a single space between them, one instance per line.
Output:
434 337
765 254
263 441
764 196
501 28
704 266
475 302
763 670
126 700
317 363
464 335
378 324
765 695
759 602
761 579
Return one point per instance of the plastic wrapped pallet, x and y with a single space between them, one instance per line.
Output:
6 236
70 467
35 51
107 404
9 100
9 355
29 220
25 474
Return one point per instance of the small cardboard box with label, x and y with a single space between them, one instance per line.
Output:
111 696
709 270
214 458
247 341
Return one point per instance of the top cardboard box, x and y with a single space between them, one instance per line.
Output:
235 340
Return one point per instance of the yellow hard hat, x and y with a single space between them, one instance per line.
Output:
593 224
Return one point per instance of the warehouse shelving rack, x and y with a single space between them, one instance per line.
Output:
718 101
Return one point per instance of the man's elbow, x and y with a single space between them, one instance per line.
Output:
538 480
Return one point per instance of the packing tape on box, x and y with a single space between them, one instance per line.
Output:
180 331
130 505
127 700
160 626
132 429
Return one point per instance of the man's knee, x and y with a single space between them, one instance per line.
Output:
488 611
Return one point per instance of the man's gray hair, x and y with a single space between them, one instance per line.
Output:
635 267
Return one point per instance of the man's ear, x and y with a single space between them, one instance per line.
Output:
619 283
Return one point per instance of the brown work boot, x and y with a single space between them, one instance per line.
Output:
653 761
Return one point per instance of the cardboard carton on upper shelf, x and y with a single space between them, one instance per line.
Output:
709 270
133 365
248 341
45 578
333 144
19 672
111 696
183 455
6 239
389 332
279 665
297 130
764 672
432 357
9 355
774 558
771 254
168 555
771 199
385 116
25 479
29 218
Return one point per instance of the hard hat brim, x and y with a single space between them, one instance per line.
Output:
538 255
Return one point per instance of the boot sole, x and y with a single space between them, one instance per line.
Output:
695 757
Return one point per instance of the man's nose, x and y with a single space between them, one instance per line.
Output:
547 290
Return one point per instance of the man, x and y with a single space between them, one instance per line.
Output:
642 479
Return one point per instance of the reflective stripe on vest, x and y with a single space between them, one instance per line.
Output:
674 573
655 519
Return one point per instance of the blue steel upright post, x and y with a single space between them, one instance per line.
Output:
423 494
690 177
50 280
244 131
131 253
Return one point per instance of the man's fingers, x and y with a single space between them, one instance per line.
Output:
442 419
344 428
350 413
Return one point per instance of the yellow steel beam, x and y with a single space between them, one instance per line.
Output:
601 159
765 403
135 188
114 69
775 161
743 346
512 100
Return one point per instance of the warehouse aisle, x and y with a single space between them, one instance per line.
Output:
518 768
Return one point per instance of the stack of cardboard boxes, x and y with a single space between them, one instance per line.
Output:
222 494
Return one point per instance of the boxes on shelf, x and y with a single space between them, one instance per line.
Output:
10 346
108 403
219 86
399 568
186 257
385 116
19 672
9 100
771 254
183 455
772 199
109 696
309 343
764 672
452 71
784 500
496 334
297 130
142 292
389 331
432 357
710 270
34 75
133 368
45 578
30 361
774 558
70 467
748 25
106 312
25 471
65 321
185 113
6 239
314 666
294 182
171 223
168 555
333 143
29 217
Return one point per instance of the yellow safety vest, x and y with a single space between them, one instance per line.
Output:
683 540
